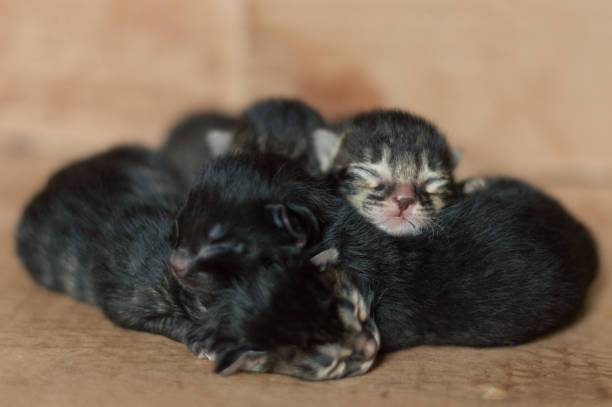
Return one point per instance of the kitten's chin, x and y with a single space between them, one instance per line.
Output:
399 226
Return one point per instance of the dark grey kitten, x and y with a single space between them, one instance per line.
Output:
287 127
395 168
98 231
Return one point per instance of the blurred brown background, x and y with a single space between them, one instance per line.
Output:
523 87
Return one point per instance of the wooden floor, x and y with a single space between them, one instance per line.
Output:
523 88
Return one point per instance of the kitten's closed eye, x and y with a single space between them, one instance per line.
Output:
381 187
434 185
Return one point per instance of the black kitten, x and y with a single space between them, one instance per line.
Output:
395 168
504 265
98 232
508 265
243 206
196 139
287 127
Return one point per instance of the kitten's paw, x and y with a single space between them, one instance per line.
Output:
200 350
473 184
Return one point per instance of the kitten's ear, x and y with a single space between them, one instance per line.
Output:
328 256
219 141
237 360
326 146
298 220
456 155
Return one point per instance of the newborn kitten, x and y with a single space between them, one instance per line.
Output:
98 232
287 127
243 206
395 169
282 126
511 265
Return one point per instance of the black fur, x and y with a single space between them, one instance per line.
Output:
99 232
231 216
281 126
505 265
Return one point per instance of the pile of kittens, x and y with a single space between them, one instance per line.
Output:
275 242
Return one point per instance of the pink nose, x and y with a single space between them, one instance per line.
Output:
180 262
403 202
403 195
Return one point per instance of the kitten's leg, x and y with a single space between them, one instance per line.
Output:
179 329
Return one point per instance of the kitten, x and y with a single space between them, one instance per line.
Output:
283 126
287 127
99 232
504 265
395 168
244 205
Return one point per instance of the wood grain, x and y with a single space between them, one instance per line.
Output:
79 75
523 87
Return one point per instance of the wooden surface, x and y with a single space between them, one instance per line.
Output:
522 87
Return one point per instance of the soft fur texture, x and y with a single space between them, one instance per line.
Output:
396 169
247 209
99 232
283 126
503 265
288 127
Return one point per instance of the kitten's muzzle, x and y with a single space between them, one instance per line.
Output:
403 196
403 202
181 259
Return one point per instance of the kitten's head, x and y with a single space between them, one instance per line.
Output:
281 126
247 210
293 318
396 169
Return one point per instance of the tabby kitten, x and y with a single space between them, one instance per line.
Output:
395 168
99 231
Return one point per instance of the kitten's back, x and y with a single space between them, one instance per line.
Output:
67 226
509 264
